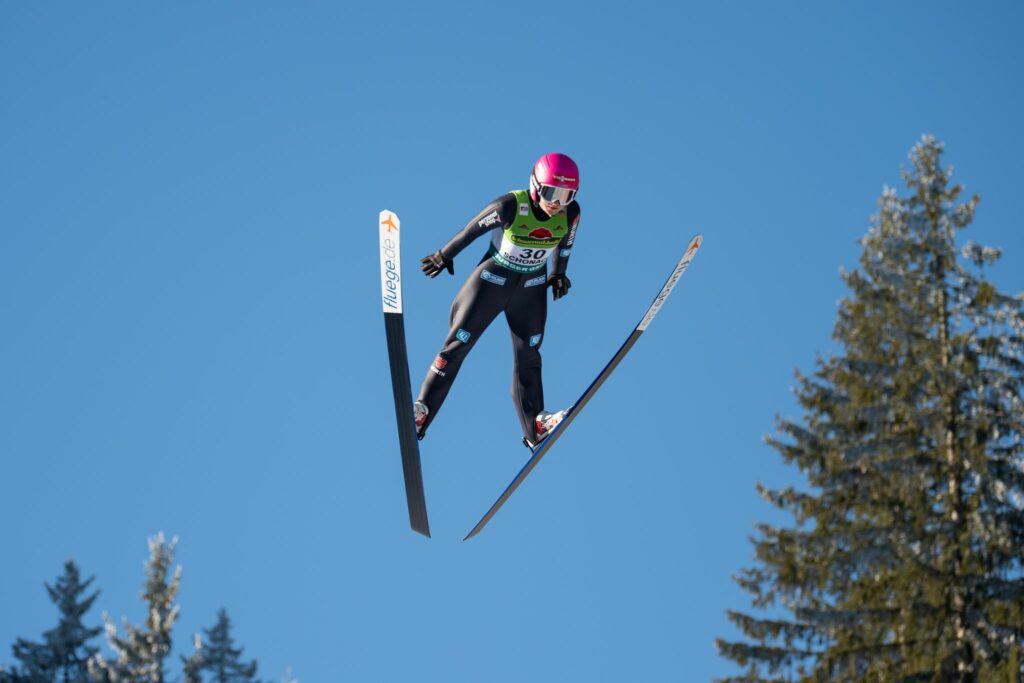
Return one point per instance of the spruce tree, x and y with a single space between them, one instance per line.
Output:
65 650
192 666
219 656
904 559
141 653
37 665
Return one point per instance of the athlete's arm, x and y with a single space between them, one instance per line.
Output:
498 214
560 259
558 281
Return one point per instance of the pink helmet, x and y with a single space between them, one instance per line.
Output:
555 177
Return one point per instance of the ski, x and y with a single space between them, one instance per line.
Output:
540 449
394 328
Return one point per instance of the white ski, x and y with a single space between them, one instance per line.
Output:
541 448
394 328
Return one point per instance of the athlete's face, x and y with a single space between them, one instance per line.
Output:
551 208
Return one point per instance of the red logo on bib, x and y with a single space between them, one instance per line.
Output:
541 234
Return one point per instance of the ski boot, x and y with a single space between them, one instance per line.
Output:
544 423
419 416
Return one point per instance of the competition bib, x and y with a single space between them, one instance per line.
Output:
526 244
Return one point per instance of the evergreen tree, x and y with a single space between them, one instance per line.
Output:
141 653
37 665
192 666
219 656
904 561
65 650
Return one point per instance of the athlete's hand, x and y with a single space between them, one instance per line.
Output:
559 285
435 263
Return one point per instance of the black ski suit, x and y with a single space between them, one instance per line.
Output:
495 285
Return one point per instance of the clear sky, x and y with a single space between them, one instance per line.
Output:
191 339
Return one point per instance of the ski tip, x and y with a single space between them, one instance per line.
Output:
389 222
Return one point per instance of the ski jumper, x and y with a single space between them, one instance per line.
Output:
512 278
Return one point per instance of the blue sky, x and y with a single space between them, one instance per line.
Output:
192 340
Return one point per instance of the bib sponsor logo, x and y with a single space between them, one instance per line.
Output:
535 339
492 278
524 209
462 335
539 280
535 236
489 219
521 252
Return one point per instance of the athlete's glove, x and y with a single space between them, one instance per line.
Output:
559 285
435 263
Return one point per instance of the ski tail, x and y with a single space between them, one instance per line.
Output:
398 357
542 448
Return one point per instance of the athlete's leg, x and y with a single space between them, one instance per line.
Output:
526 314
484 294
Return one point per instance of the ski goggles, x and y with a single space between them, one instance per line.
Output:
552 194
